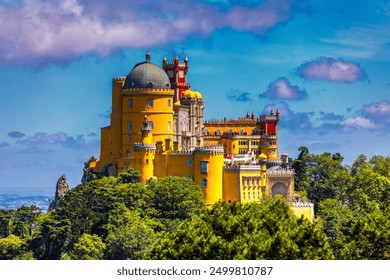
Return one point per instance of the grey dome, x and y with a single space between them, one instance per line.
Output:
147 75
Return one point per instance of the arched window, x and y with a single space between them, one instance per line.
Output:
169 125
280 189
169 103
218 132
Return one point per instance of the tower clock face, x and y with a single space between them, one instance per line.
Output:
170 74
181 74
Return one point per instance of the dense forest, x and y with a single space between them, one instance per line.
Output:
120 218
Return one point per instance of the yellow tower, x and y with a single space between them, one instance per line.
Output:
208 172
146 90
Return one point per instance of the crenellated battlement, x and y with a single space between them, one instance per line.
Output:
119 79
144 147
210 149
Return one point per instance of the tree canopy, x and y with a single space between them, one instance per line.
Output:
266 230
121 218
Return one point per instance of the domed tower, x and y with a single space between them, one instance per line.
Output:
145 91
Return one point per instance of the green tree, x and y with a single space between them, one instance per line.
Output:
5 222
175 199
322 176
13 247
370 185
129 175
23 220
335 219
88 247
267 230
369 237
129 236
50 237
87 207
300 166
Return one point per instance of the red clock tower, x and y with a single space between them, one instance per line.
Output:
177 72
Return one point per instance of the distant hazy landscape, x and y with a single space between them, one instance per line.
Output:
14 201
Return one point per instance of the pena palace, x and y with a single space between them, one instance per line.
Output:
157 127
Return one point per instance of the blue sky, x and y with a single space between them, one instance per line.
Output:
324 64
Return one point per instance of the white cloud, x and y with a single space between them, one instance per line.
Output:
38 32
332 70
282 89
359 122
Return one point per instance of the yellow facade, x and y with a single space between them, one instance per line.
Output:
160 133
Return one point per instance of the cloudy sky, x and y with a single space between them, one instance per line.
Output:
324 64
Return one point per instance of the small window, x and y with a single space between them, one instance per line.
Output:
129 125
130 103
169 103
204 183
150 125
189 177
126 163
189 162
129 138
204 165
150 102
169 125
147 161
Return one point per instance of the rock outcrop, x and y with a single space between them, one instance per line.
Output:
62 188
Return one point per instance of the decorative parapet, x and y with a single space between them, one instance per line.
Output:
302 204
135 91
269 118
216 149
144 147
238 121
242 167
281 172
182 152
